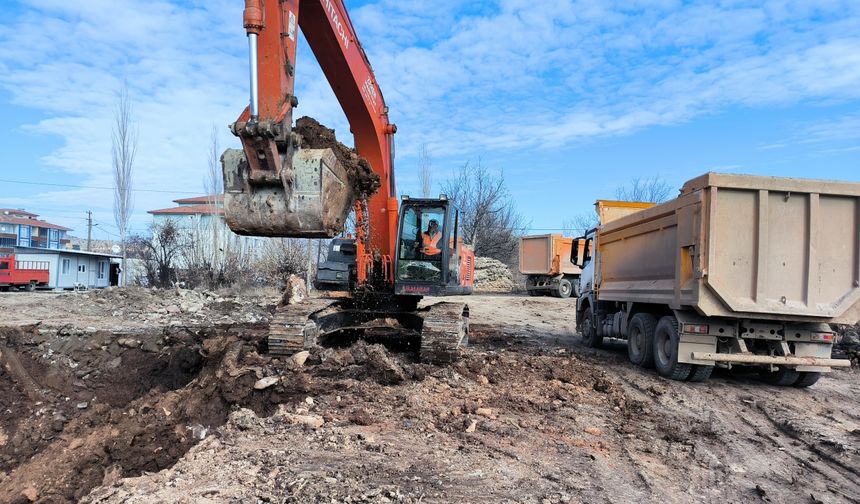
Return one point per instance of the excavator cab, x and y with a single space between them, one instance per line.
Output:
430 257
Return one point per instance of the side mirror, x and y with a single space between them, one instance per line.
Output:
574 251
586 256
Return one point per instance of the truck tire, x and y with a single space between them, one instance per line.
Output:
589 331
700 373
564 289
784 377
640 339
666 350
807 379
30 287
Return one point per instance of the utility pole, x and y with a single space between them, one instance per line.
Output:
89 230
309 273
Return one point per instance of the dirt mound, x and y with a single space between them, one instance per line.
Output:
316 136
492 275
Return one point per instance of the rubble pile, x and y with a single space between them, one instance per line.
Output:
166 305
848 343
492 275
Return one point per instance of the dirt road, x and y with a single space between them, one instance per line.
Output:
529 415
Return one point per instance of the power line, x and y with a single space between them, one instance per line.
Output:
27 182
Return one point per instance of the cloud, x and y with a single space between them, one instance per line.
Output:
465 78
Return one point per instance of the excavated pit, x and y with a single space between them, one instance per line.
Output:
81 411
84 410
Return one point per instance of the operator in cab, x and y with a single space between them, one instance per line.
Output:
430 239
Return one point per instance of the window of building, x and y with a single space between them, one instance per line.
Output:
102 269
82 268
4 265
66 265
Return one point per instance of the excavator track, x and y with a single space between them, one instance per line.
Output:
297 327
292 328
445 330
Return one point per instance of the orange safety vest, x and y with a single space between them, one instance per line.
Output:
431 243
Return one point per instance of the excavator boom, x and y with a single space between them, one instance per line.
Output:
279 185
273 187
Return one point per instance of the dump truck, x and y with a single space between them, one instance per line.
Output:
545 262
22 274
737 270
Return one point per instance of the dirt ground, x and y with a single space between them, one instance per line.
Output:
168 396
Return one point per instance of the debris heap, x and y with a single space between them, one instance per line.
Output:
492 275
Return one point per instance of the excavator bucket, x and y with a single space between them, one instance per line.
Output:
310 200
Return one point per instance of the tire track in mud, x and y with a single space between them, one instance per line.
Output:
789 430
803 462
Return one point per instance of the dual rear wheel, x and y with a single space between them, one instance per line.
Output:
654 343
785 377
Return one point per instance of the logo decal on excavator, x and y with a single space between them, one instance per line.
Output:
416 288
338 25
369 91
291 26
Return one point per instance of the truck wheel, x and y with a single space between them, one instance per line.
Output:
564 288
589 332
666 350
807 379
781 378
531 284
30 287
640 339
700 373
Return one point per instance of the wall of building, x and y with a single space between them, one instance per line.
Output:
69 269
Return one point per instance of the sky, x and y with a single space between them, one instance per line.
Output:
567 99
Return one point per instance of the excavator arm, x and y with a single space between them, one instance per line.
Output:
278 189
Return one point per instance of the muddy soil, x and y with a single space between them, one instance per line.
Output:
528 415
316 136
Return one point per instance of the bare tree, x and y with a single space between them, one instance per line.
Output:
213 185
281 258
159 253
652 190
489 221
580 224
123 150
425 175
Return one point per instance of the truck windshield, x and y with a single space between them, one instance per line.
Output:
421 244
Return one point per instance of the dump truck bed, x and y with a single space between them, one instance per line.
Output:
547 254
741 246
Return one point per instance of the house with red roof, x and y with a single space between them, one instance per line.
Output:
20 228
28 240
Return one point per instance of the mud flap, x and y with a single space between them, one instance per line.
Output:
689 343
818 350
310 200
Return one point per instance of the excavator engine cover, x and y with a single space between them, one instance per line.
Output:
310 200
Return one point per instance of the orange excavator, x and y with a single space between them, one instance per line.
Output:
276 186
